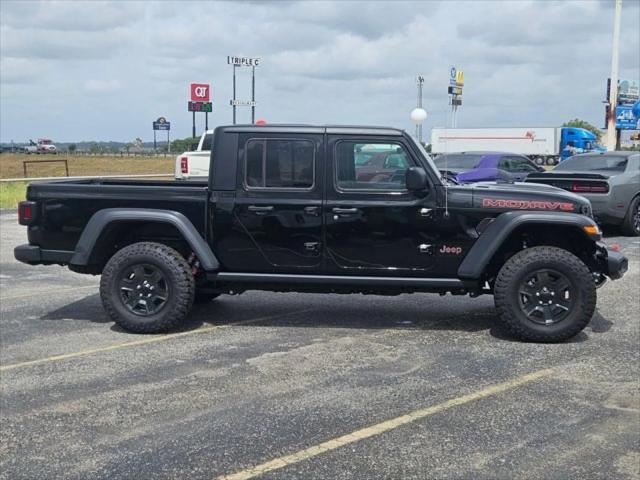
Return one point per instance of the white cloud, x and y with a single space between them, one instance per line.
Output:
118 65
102 86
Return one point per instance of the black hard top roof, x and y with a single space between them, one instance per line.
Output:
321 129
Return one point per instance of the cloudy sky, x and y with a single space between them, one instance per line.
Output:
103 71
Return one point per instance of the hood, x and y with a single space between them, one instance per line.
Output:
504 197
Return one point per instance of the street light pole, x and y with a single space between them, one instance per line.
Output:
420 82
613 87
419 115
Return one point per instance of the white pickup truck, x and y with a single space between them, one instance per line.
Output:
195 165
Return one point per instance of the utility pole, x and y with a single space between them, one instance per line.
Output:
612 139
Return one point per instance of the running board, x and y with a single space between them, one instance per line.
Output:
337 280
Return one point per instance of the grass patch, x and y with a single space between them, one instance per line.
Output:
12 193
11 165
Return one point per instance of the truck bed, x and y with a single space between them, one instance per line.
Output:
65 206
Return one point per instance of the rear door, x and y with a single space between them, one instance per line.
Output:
276 219
374 226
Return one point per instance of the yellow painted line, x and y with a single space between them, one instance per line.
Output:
44 291
135 343
383 427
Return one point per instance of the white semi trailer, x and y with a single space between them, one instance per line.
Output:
544 145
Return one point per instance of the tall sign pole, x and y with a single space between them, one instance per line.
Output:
161 124
234 93
253 94
456 82
234 102
613 87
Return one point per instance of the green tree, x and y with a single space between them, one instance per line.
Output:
184 145
576 122
72 148
94 149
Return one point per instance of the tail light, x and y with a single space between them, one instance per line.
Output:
184 164
590 187
26 212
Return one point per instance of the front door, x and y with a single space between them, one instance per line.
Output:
277 210
374 226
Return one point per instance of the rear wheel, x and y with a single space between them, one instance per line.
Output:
631 222
147 288
545 294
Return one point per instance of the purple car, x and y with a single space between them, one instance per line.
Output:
469 167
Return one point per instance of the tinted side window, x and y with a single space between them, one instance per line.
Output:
371 166
206 143
279 164
516 164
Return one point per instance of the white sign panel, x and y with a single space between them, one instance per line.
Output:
243 61
242 103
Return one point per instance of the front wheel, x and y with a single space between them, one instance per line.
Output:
545 294
147 288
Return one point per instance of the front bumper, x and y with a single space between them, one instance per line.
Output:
614 264
34 255
617 265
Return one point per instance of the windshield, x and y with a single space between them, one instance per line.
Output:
426 156
610 163
458 161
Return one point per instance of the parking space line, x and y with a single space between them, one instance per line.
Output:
383 427
144 341
44 291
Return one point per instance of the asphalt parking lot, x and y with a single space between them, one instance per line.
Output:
310 386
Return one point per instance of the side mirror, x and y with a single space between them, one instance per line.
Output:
416 179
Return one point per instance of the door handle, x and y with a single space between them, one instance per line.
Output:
345 211
260 210
315 211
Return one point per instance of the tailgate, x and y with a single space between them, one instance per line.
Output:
573 182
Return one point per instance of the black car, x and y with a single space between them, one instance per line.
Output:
288 208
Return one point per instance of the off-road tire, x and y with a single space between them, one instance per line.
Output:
177 275
515 271
628 227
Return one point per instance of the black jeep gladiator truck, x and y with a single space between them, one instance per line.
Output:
325 209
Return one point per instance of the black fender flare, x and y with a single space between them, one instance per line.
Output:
101 219
502 226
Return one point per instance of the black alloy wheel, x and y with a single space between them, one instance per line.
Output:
143 289
545 294
147 287
545 297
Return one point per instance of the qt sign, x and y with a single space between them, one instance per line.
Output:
200 92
